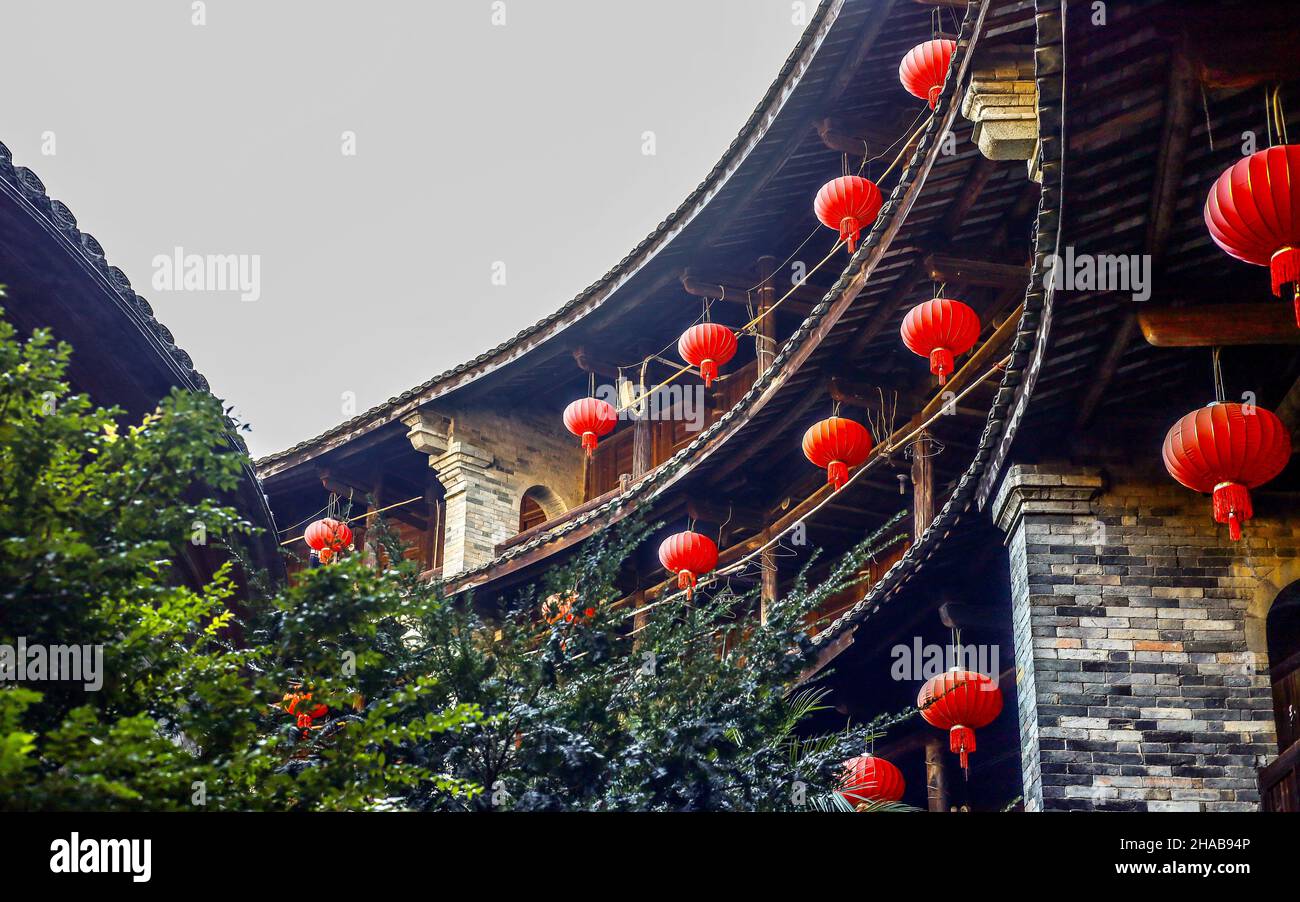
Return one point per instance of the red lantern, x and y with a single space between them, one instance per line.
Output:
870 779
328 533
325 555
849 203
1227 449
1253 213
688 554
296 700
590 418
941 329
708 346
925 68
961 702
837 444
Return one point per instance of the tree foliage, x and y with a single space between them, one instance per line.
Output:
434 702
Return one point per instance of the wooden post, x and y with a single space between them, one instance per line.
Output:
936 774
769 587
922 484
765 337
641 444
429 553
639 620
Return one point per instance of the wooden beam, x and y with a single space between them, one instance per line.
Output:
945 268
733 515
1269 323
969 193
589 364
854 138
885 311
801 300
1174 137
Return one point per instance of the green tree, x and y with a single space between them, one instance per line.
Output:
434 702
92 510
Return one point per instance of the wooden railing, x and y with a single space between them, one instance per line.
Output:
1279 782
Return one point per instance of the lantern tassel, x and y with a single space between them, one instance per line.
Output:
934 95
686 580
1284 266
708 371
1232 506
849 231
837 473
962 741
589 442
941 363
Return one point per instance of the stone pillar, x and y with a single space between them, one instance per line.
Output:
1136 690
479 505
1002 101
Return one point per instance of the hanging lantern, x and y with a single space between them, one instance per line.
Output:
870 779
1253 213
590 418
941 330
849 203
689 555
296 703
925 68
961 702
837 444
1227 449
328 533
707 346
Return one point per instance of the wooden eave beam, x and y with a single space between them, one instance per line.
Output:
801 300
946 268
588 364
1269 323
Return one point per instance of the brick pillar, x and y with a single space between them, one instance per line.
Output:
1136 689
480 510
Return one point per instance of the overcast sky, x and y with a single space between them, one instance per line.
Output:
474 143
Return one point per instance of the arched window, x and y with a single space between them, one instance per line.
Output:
538 505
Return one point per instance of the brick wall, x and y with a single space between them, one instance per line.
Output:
1141 665
486 459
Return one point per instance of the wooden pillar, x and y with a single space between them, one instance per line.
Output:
433 519
765 337
936 773
641 443
922 484
639 620
769 587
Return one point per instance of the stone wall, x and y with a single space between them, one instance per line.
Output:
1141 666
486 459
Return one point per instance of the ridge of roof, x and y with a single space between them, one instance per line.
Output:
619 269
652 480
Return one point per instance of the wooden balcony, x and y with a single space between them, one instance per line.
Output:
1279 782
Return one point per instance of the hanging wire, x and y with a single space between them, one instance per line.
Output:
1220 395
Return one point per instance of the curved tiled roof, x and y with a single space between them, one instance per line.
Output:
661 477
55 217
795 65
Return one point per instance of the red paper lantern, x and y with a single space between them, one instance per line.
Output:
689 555
837 444
870 779
940 329
961 702
925 68
1227 449
849 203
328 533
1253 213
708 346
590 418
295 703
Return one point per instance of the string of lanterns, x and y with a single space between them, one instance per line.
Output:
940 329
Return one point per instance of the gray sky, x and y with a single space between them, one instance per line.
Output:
474 143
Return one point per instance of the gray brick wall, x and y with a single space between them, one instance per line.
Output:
1142 682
